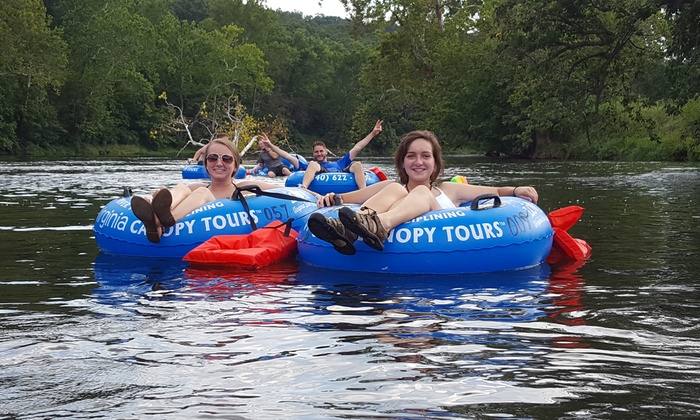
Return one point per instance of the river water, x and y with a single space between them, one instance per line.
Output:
85 335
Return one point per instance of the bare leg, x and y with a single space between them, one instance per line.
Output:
286 172
195 199
383 200
309 173
179 193
394 205
271 174
359 172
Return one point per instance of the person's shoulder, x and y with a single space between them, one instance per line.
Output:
447 186
346 158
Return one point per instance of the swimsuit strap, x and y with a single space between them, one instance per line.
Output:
235 189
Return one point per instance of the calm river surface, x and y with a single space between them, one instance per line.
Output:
85 335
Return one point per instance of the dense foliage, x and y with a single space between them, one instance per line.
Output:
535 78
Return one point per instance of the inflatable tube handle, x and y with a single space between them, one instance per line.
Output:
287 224
288 227
475 203
259 191
238 195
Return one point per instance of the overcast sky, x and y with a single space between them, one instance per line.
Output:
309 7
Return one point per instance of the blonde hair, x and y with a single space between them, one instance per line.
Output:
229 145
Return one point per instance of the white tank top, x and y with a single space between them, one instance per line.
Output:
444 201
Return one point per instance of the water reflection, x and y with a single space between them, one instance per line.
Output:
409 313
567 288
381 340
513 296
506 295
121 280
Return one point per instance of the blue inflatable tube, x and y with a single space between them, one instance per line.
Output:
263 171
118 231
198 172
513 235
337 182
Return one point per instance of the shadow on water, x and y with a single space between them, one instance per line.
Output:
373 339
339 298
493 295
130 278
513 296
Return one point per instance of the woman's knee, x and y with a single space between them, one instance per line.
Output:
421 191
356 167
422 195
203 194
314 167
395 191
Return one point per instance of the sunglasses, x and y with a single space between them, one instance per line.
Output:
213 157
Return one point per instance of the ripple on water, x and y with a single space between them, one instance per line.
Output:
88 336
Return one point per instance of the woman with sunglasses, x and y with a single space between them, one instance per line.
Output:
170 205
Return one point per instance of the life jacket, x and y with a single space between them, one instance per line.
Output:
259 248
564 246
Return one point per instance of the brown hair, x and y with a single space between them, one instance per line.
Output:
220 135
229 145
402 151
319 143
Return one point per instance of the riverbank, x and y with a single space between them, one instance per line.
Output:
621 149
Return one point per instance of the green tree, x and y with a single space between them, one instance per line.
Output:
312 62
189 10
32 69
569 58
409 81
199 67
109 92
684 48
256 21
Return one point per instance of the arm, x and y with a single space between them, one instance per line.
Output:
463 193
262 184
258 165
196 185
266 186
198 153
353 197
365 141
274 148
272 153
192 187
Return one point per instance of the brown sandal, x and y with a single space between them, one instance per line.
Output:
161 207
333 232
366 225
144 212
